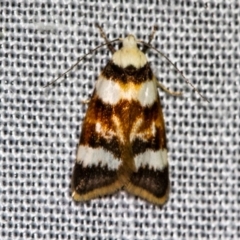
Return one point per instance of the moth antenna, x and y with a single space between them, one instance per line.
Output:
180 72
78 61
103 35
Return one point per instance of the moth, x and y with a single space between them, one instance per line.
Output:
123 141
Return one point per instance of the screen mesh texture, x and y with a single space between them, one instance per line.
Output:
40 127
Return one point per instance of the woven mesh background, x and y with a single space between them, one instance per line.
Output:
40 127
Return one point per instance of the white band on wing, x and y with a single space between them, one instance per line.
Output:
89 156
111 92
153 159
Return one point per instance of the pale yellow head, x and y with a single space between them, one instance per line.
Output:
129 54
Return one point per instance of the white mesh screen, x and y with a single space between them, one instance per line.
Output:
40 126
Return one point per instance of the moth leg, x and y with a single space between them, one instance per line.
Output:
150 38
176 94
87 101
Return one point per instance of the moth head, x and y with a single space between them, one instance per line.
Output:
129 42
